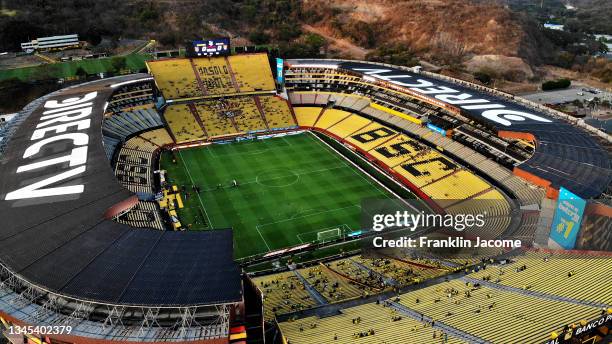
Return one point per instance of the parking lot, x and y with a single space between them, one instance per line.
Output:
567 95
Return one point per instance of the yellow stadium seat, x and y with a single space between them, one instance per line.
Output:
276 111
331 117
183 124
307 116
371 136
175 78
348 126
215 76
252 72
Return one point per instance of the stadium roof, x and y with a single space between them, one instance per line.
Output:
565 154
58 194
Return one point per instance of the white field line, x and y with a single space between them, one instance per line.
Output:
193 183
364 172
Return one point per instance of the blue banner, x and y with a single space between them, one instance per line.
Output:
279 70
436 129
567 220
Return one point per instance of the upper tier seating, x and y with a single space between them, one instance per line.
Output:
251 72
175 78
131 97
212 76
110 144
124 124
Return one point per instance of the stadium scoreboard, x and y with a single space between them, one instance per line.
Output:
211 47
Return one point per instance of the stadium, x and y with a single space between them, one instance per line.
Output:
220 198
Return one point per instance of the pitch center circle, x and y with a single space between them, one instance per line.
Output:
277 178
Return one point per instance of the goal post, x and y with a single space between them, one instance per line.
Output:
329 235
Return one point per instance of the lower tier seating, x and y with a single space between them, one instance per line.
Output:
183 124
283 293
277 112
369 323
143 215
570 275
480 310
205 119
158 137
133 170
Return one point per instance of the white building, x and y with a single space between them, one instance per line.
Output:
50 43
552 26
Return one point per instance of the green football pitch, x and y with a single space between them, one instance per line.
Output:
289 189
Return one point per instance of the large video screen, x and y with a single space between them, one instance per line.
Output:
211 47
568 216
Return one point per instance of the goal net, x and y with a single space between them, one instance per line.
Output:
329 235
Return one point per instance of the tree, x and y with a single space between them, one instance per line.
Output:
396 54
167 38
483 77
577 103
556 84
314 42
288 31
259 37
93 36
15 31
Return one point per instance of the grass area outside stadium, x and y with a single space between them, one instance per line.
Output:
289 189
68 69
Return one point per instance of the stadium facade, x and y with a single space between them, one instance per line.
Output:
94 238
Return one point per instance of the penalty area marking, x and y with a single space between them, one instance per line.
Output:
259 227
262 238
341 226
